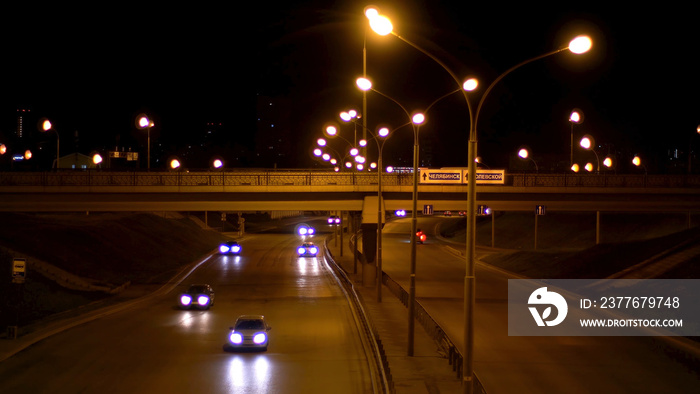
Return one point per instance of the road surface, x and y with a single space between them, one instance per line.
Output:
157 348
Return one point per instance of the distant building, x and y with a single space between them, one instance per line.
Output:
76 161
23 116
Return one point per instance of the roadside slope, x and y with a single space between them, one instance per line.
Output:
111 249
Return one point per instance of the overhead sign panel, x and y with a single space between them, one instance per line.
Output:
460 176
488 177
440 176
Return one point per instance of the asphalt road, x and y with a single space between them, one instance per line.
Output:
155 347
509 364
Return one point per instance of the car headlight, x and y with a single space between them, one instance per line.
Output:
185 299
301 250
236 249
223 249
313 250
202 299
236 338
259 338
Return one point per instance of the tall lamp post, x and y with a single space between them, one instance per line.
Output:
576 117
416 120
382 25
143 122
46 126
384 134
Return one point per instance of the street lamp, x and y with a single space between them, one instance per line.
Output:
524 154
320 151
637 161
576 117
383 26
143 122
96 159
46 126
217 163
588 143
608 162
384 134
416 119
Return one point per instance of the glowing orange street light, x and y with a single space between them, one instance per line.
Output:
143 122
46 126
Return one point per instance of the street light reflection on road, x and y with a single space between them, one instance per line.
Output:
195 322
250 374
308 266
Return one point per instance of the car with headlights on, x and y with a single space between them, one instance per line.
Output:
230 247
199 296
333 220
307 249
249 332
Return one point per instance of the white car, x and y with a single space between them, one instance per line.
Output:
249 331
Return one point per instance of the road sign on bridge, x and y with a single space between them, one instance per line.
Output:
460 176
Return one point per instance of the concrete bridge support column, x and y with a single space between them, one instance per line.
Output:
369 251
370 211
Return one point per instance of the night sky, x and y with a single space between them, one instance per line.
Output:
190 65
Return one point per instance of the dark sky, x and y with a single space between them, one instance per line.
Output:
94 69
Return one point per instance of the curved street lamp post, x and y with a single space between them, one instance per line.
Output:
143 122
416 120
46 126
382 25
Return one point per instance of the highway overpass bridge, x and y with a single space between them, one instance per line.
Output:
312 190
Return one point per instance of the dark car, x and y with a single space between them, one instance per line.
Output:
249 331
307 249
230 247
333 220
199 296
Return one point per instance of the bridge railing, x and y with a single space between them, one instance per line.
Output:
319 178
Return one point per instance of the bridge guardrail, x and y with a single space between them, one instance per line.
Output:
381 375
320 178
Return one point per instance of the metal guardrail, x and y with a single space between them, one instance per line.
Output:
442 340
381 377
320 178
454 356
